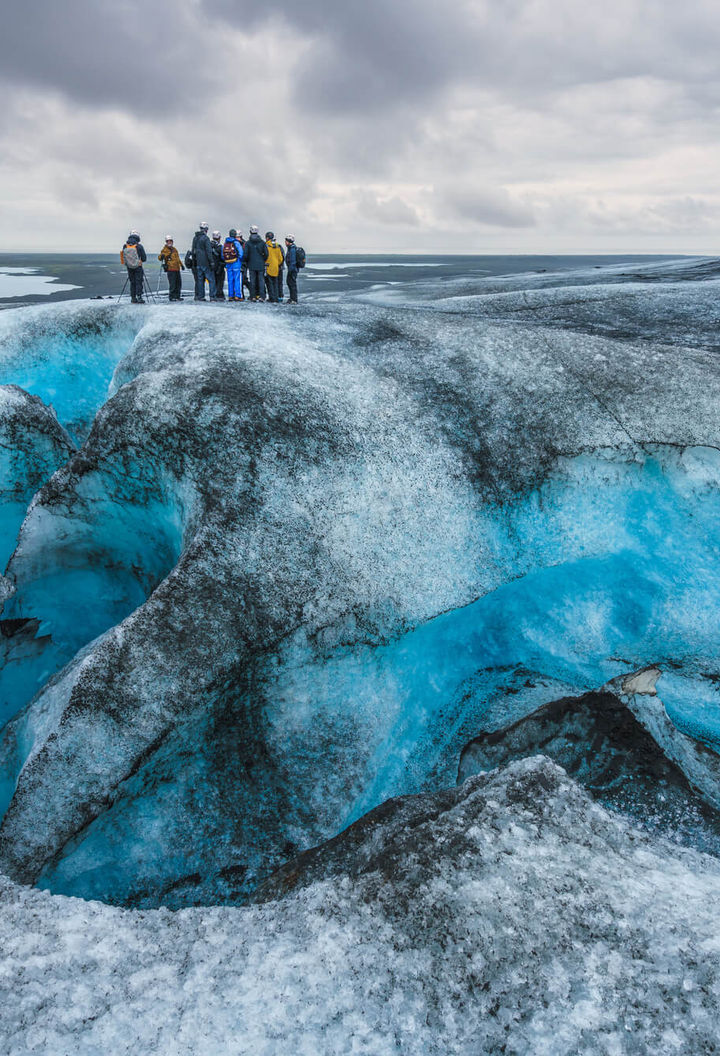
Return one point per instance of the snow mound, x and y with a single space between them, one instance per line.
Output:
511 915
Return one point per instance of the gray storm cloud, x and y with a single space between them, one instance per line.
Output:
364 125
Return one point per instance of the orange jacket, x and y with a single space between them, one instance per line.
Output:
171 256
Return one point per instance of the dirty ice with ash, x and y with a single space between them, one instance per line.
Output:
360 670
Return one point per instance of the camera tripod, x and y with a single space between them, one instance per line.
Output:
147 292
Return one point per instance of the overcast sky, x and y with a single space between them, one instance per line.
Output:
363 125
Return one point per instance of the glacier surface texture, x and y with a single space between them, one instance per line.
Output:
360 671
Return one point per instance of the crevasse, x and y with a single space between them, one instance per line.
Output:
349 726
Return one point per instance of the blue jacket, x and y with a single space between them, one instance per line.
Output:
239 248
291 258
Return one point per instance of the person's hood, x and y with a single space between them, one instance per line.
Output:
133 240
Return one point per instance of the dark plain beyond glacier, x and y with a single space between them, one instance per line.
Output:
34 278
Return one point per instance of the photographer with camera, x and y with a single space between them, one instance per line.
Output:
172 266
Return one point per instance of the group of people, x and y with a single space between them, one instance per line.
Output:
260 266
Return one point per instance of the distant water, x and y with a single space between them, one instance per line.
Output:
33 278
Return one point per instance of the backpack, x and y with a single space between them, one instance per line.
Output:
189 259
229 252
131 257
300 257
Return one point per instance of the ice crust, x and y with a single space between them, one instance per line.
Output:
512 915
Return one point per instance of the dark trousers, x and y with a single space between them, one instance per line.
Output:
202 273
257 284
174 285
292 284
220 283
136 277
281 273
271 285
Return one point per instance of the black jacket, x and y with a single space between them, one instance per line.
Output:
217 250
255 253
202 251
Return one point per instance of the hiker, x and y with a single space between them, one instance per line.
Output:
245 281
203 258
275 258
218 266
232 254
257 253
133 256
291 263
172 266
281 277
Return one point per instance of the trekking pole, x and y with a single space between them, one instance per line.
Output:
122 291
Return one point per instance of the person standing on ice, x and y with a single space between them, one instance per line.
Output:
172 265
204 267
275 259
291 263
133 256
257 253
232 253
245 281
218 266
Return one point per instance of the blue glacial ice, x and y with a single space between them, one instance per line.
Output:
295 567
66 355
32 446
267 575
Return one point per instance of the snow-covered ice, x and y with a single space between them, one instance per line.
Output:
512 915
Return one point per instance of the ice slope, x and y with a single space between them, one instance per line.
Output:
510 916
32 446
300 562
66 354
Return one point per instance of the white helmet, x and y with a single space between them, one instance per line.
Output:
216 234
168 238
254 229
289 238
136 233
204 226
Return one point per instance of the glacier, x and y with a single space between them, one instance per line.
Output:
267 574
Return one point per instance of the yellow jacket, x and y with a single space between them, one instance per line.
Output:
275 258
